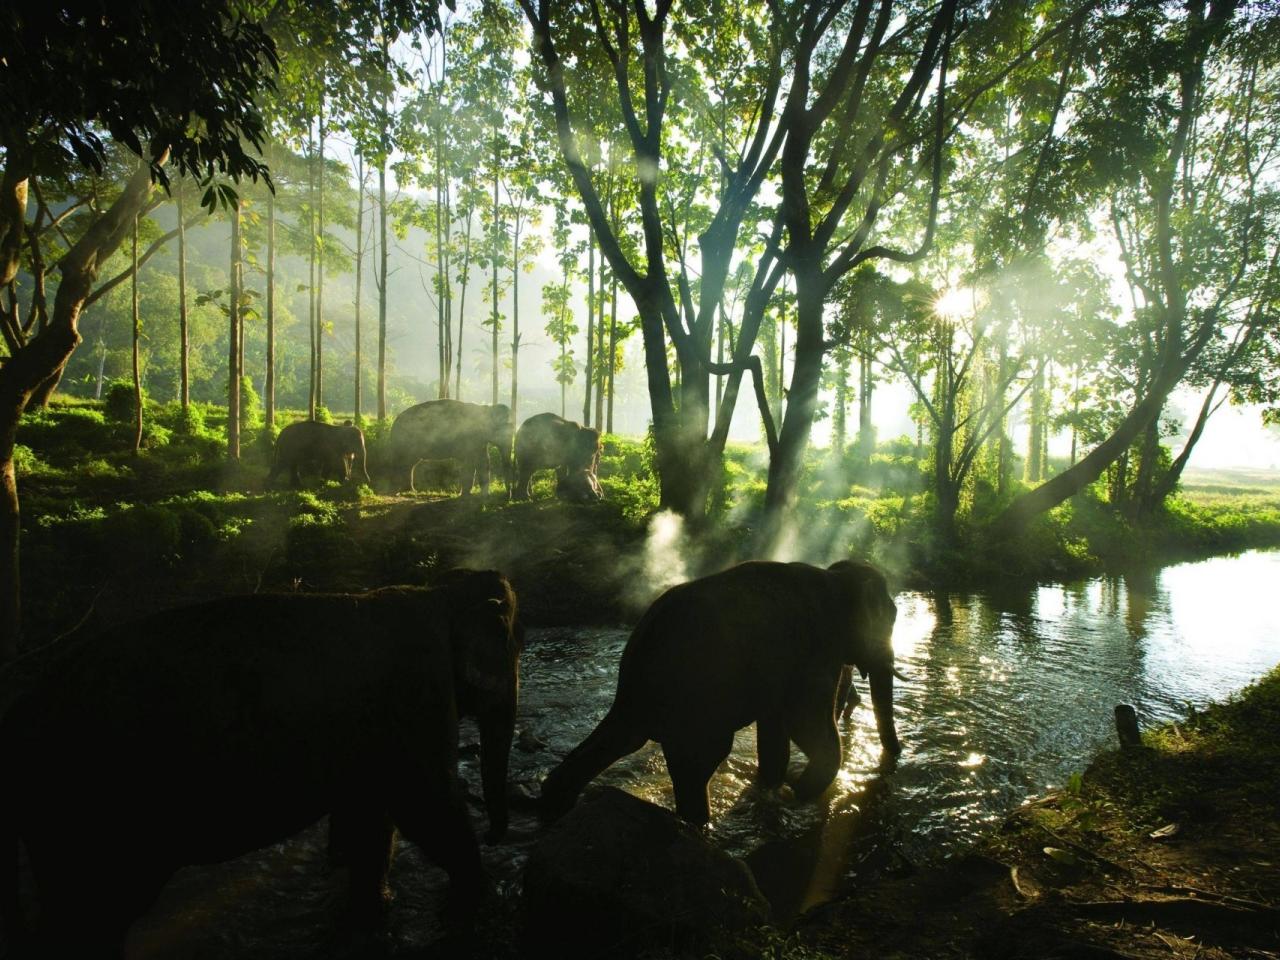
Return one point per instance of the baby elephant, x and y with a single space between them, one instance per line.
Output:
333 448
197 734
761 643
547 442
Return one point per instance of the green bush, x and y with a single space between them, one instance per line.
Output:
118 400
250 405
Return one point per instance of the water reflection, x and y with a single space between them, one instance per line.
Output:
1011 691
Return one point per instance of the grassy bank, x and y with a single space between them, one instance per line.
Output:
177 515
1164 850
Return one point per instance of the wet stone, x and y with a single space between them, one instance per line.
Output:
619 875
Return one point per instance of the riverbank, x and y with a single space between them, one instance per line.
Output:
1164 850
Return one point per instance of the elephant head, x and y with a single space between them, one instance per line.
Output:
866 614
579 486
353 450
487 637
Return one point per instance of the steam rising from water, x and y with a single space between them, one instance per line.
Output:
664 553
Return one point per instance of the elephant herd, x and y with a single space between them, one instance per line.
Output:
451 430
197 734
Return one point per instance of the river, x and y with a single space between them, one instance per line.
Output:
1010 692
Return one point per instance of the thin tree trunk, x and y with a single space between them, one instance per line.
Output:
320 265
839 417
494 289
269 381
602 369
382 289
515 317
137 336
233 345
311 277
184 336
613 347
463 278
359 280
591 317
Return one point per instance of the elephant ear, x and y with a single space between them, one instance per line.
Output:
858 593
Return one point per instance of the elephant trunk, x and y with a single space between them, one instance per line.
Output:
364 466
882 704
497 721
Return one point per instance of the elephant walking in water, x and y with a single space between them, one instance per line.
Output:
200 733
451 430
334 448
761 643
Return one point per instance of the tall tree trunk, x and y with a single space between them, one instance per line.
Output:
591 320
1168 482
269 380
463 278
1034 472
184 335
320 263
497 160
356 415
786 464
382 290
1140 503
866 388
137 336
233 341
311 276
839 416
602 367
515 318
613 348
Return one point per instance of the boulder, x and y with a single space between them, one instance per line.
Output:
619 875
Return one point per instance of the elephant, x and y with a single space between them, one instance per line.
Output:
762 642
547 442
335 448
451 430
197 734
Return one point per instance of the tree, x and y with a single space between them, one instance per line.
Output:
1187 197
139 75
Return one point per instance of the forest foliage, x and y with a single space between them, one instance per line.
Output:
1041 220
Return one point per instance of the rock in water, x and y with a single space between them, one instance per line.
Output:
619 875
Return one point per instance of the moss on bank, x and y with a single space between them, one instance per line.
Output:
1165 850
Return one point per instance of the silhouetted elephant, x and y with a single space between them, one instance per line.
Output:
547 442
761 642
333 448
200 733
451 430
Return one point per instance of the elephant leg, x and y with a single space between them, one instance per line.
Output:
611 740
433 815
364 839
482 466
773 750
691 763
813 728
294 476
846 694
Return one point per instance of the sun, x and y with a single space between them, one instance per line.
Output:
953 303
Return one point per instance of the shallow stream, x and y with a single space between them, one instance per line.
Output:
1010 692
